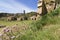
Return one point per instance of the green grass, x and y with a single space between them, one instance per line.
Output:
50 24
47 19
51 32
11 23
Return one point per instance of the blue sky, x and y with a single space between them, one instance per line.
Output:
17 6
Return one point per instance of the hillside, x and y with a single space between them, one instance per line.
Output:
17 14
47 28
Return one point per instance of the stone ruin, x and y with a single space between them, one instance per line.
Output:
43 7
49 4
11 18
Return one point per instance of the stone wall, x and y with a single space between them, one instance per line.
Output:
50 4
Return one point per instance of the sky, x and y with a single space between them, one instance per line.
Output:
17 6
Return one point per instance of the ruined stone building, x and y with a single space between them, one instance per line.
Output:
45 6
11 18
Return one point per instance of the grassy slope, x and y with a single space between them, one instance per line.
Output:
49 31
12 23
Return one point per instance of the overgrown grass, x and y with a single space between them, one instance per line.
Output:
11 23
51 33
47 28
50 18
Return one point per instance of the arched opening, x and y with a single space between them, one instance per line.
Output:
21 19
35 18
32 18
13 18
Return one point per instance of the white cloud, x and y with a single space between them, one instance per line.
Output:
12 6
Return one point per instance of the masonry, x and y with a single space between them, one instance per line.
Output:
45 6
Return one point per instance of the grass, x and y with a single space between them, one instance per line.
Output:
11 23
51 33
50 24
47 19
